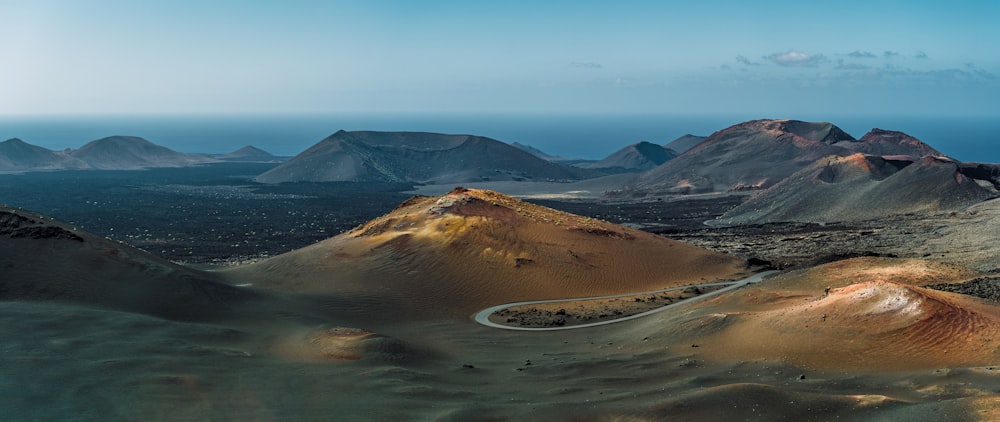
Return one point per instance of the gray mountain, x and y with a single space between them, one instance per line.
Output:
537 152
130 152
639 156
415 157
17 155
684 143
250 153
862 187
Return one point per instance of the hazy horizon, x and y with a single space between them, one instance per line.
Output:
777 58
572 135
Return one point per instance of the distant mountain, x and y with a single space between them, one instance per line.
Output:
249 154
130 152
757 154
862 187
17 155
889 142
639 156
415 157
684 143
536 152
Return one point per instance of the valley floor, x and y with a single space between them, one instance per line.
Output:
63 361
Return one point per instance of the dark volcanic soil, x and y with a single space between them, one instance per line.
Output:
215 214
204 214
779 245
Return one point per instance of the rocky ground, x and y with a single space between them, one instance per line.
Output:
984 287
566 314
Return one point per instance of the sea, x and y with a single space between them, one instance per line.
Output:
585 136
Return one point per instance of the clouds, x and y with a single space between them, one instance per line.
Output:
862 64
741 59
586 65
794 58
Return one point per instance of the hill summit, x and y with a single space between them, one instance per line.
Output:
760 153
132 152
415 157
469 249
638 156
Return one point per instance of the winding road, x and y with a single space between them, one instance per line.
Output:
483 317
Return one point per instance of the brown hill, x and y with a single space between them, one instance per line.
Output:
45 259
889 142
865 314
869 314
757 154
415 157
130 152
469 249
862 187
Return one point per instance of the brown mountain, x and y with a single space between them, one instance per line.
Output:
130 152
469 249
757 154
415 157
17 155
639 156
889 142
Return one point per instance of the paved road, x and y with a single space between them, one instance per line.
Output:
483 317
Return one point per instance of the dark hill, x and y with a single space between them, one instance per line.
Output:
130 152
48 260
249 154
536 152
684 143
636 157
16 155
415 157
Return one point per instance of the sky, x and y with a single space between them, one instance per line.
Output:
773 57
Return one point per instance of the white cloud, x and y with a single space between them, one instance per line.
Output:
795 58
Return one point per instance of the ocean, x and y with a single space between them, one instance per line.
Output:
588 136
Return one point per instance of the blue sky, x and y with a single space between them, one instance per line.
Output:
771 57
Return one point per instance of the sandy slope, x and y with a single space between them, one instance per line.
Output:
867 314
45 259
466 250
862 187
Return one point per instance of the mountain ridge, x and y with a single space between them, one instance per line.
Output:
415 157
